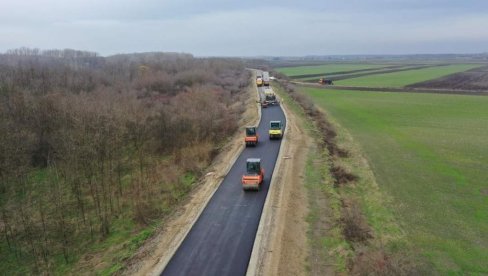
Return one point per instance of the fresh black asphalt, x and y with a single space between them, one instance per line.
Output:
221 240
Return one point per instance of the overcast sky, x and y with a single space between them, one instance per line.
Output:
247 27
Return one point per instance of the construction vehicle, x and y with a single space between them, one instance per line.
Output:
270 97
252 136
266 78
264 104
259 74
325 81
254 176
259 82
275 130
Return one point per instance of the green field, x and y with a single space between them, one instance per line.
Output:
430 153
325 69
376 71
403 78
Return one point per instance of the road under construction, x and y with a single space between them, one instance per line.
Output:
221 240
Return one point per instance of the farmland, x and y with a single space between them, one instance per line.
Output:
430 76
430 154
474 79
325 69
401 79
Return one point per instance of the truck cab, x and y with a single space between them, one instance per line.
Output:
253 179
275 130
259 82
266 78
270 97
252 136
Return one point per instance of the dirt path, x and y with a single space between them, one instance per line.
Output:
151 258
281 243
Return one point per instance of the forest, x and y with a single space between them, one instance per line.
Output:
90 142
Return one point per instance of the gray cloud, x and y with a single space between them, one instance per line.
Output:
219 27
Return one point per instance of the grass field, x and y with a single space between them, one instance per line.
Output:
430 153
400 79
325 69
375 71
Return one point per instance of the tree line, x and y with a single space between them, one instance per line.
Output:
88 140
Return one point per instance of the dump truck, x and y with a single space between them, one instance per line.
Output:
259 82
275 130
325 81
254 177
252 136
266 78
270 97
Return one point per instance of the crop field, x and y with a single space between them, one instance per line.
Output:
358 73
474 79
430 76
326 69
343 74
429 152
404 78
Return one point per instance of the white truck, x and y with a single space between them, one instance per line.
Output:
266 78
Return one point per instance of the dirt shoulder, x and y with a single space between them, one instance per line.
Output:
156 252
281 246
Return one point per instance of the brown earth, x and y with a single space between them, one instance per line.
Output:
474 79
151 258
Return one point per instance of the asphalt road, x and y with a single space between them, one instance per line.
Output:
221 241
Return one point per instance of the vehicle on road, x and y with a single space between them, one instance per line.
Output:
325 81
252 136
259 82
270 97
275 130
253 179
259 74
266 78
